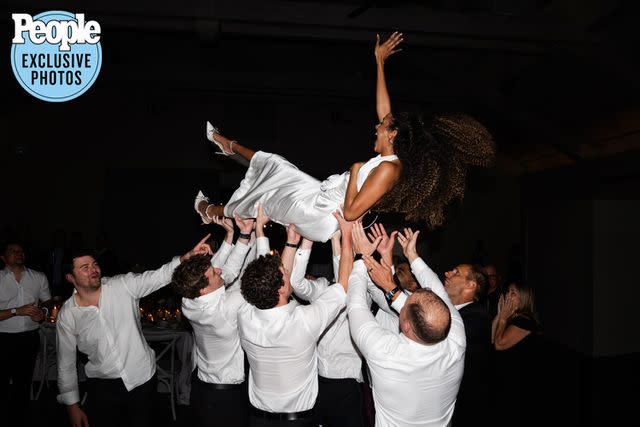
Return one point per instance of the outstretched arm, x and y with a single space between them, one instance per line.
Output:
382 52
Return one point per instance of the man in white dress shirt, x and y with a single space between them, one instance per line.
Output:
102 320
279 337
340 398
415 374
21 289
218 390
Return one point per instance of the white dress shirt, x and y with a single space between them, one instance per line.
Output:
217 352
280 344
337 354
110 334
222 254
413 384
33 287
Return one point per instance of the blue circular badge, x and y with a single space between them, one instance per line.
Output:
57 59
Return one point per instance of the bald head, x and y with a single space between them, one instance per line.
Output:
425 317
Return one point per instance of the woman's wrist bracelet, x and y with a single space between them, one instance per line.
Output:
291 245
245 235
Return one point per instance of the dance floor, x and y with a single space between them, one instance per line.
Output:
576 391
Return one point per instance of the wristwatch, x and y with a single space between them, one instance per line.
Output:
14 311
389 295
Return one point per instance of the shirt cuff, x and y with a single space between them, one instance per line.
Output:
69 398
398 303
303 253
359 266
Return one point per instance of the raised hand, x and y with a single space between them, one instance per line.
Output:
408 242
227 225
388 48
385 248
224 222
345 226
201 248
293 237
361 244
261 219
245 225
380 272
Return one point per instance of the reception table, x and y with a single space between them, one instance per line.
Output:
161 338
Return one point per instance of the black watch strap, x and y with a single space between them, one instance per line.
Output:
291 245
245 236
389 295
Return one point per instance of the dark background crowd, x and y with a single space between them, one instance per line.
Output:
554 81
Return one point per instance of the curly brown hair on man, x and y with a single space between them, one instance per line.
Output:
435 152
188 278
261 281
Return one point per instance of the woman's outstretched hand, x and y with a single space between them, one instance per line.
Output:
388 48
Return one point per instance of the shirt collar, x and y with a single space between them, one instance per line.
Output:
207 299
464 304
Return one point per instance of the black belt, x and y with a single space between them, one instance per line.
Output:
214 386
282 416
222 386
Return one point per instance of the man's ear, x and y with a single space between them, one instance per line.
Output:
406 327
70 278
472 284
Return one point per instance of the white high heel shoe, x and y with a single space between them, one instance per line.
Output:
206 219
210 131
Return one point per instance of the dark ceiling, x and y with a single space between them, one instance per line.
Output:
555 80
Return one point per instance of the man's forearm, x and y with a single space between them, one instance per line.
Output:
6 314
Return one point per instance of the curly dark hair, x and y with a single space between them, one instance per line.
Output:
261 281
435 152
188 278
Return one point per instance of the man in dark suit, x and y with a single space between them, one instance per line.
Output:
466 286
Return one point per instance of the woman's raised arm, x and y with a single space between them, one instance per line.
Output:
382 52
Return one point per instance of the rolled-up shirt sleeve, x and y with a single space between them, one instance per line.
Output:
66 355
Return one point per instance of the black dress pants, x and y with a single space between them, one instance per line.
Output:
18 353
109 404
218 404
339 403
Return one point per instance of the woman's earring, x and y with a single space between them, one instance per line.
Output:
390 141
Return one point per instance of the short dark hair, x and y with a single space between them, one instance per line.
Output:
67 264
420 315
188 278
261 281
476 274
